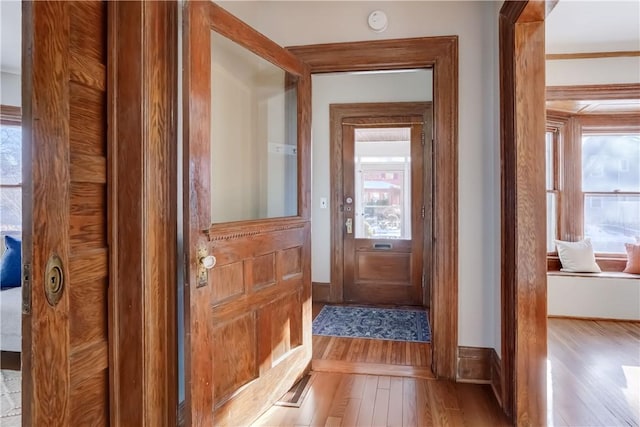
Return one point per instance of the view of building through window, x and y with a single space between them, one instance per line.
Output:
611 188
11 179
383 183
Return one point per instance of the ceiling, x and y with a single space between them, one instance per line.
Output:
573 26
593 26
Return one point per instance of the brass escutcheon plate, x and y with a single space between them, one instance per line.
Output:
54 280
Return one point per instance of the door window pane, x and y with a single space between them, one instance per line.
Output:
10 210
383 183
254 144
611 221
611 163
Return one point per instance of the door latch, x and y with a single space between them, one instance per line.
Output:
349 225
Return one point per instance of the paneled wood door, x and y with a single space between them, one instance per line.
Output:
248 318
384 209
65 357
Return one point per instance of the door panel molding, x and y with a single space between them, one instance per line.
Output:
268 261
369 272
65 343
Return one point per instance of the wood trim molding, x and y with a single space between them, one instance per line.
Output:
523 236
320 291
593 92
142 190
474 365
10 115
440 54
496 376
592 55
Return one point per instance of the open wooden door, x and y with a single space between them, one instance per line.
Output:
65 358
247 231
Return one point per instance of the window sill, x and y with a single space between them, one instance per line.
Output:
606 264
604 274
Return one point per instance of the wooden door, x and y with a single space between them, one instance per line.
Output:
384 209
65 355
248 318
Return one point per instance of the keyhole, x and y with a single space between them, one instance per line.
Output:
55 280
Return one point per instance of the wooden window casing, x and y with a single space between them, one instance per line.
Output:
568 130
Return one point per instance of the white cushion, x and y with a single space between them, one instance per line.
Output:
577 257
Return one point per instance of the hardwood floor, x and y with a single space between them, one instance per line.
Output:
337 399
368 356
401 391
593 373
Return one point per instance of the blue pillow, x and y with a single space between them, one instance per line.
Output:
10 263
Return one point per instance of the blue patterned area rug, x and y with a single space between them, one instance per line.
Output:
376 323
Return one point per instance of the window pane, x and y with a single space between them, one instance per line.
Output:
383 183
254 144
10 209
552 221
611 220
10 154
611 163
549 142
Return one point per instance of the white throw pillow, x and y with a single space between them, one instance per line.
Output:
577 257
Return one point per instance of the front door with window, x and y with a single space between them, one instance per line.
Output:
384 209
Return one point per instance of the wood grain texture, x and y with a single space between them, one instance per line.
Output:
592 55
441 54
275 253
369 356
593 92
496 376
320 291
593 372
474 365
393 275
378 400
523 284
142 103
10 115
65 351
442 285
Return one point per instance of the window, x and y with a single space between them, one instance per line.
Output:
593 180
611 189
552 177
11 171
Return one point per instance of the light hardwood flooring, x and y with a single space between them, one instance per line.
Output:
337 399
399 389
593 373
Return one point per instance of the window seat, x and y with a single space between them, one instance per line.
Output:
608 295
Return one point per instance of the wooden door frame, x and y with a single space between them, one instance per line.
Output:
441 55
523 228
338 112
142 194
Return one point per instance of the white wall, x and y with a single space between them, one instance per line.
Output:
10 89
566 72
336 89
300 23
